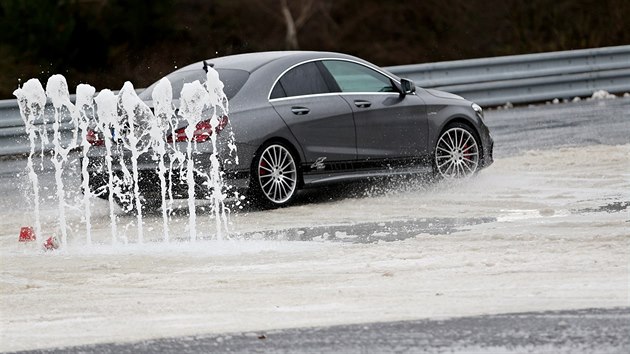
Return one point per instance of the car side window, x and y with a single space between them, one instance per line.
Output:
304 79
352 77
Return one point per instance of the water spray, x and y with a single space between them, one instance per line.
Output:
108 116
31 99
57 91
136 116
163 108
85 107
129 130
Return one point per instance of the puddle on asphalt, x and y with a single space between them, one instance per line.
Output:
370 232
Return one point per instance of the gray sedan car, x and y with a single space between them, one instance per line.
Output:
305 119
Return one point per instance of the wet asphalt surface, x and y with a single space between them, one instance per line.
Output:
580 331
550 126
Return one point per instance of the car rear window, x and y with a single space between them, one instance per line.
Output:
233 80
304 79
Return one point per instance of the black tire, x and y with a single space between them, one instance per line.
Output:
275 176
457 152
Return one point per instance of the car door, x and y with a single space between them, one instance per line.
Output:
388 125
321 121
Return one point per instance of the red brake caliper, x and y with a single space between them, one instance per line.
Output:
464 152
261 170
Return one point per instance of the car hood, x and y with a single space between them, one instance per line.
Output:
442 94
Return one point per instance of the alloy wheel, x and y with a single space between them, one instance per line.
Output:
277 174
457 153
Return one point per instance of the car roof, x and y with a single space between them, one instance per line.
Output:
250 62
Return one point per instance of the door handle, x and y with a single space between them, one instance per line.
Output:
362 104
300 110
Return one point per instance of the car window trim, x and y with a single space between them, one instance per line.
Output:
322 59
272 100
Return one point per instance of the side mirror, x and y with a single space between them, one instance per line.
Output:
407 87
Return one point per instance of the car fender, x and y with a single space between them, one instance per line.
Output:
256 126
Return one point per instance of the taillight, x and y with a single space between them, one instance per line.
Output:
94 138
203 131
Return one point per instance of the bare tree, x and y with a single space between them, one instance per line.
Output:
306 10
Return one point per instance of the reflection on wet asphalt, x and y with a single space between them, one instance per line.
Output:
371 232
614 207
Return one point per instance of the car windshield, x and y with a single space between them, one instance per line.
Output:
233 79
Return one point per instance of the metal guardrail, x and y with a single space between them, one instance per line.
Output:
13 137
487 81
527 78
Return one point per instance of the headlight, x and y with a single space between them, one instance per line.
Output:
477 108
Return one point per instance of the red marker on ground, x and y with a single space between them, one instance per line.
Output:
51 244
26 234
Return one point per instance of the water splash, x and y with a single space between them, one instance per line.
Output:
108 116
194 100
57 91
162 97
130 131
32 100
219 104
85 106
137 117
